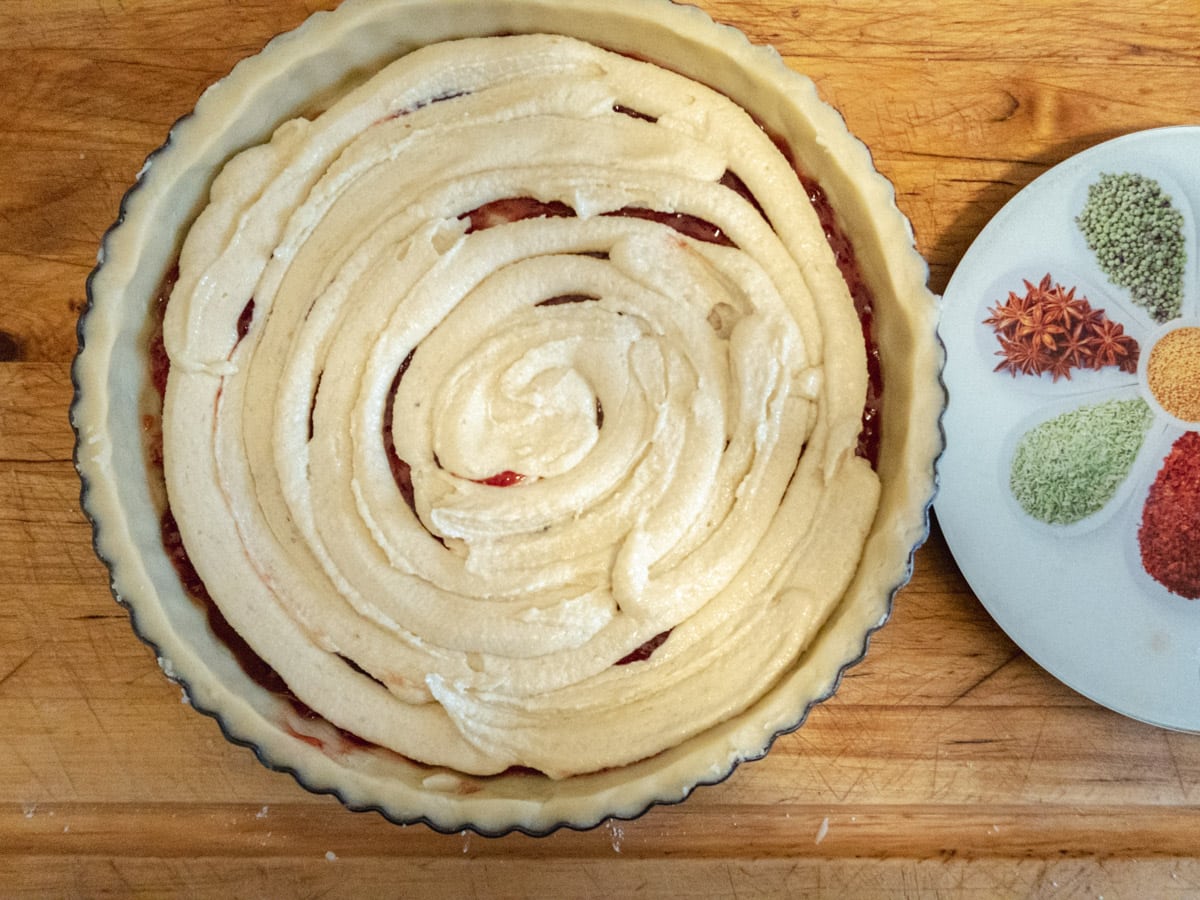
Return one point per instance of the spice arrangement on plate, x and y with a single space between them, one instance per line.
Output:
1070 466
1070 487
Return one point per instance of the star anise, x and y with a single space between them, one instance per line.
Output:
1061 306
1038 328
1049 329
1023 357
1112 345
1076 347
1060 367
1005 317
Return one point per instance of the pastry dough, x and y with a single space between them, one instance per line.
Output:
444 470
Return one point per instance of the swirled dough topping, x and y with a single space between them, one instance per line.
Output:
512 408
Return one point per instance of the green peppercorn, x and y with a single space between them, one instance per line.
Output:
1136 233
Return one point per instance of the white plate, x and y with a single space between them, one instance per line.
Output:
1075 598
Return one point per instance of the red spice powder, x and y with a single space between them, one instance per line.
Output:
1170 532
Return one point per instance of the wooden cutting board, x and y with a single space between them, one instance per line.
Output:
948 764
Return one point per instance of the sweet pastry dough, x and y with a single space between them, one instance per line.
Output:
513 409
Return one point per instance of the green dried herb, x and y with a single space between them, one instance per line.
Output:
1069 467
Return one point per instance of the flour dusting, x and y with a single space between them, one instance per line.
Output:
823 830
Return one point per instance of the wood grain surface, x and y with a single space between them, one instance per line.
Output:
947 765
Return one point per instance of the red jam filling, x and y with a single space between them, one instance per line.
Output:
244 320
864 305
514 209
646 650
507 478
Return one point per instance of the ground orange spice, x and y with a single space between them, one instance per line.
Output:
1173 373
